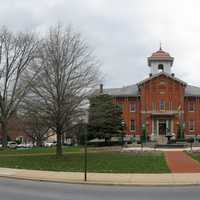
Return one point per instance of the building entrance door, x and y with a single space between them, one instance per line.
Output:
162 127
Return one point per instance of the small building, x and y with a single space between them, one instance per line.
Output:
161 102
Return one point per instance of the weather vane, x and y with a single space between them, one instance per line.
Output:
160 46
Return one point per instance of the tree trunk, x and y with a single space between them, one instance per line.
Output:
59 145
107 141
39 143
63 139
4 134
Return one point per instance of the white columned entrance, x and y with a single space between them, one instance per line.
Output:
160 127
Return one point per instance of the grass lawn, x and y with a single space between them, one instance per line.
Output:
195 156
97 162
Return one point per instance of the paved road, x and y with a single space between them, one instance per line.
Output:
30 190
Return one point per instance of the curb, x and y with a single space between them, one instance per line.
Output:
102 183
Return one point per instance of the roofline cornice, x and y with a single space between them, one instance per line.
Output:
159 74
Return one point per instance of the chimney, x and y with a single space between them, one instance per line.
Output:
101 89
173 74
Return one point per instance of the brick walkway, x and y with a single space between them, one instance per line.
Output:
180 162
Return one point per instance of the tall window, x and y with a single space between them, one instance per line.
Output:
191 125
160 68
162 105
132 125
132 107
191 106
153 106
170 105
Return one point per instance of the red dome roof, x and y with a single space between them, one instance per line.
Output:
160 55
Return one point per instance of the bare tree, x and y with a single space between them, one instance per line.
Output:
17 51
34 124
68 72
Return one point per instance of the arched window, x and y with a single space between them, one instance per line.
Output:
160 68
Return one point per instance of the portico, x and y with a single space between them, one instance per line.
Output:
162 125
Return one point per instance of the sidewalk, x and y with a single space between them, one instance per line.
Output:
105 178
180 162
132 149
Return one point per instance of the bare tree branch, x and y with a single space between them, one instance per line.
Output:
17 51
69 72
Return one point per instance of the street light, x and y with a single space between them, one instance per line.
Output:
122 124
85 153
85 120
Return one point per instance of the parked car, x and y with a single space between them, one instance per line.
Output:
29 145
23 145
50 144
12 144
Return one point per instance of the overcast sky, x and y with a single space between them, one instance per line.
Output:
123 33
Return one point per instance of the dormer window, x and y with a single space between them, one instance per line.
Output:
160 68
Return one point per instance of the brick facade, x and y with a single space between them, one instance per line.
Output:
151 93
161 102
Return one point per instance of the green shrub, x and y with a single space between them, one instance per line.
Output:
190 140
180 140
173 141
180 132
143 137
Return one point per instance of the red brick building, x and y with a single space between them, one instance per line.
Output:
15 130
160 102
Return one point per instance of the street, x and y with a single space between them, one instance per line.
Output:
31 190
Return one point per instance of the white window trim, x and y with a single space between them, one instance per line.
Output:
192 106
130 107
193 125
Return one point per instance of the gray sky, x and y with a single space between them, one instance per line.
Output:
123 33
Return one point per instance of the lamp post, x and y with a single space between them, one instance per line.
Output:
85 152
181 124
143 136
183 127
85 144
122 124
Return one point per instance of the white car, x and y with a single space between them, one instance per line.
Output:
29 145
12 145
50 144
23 145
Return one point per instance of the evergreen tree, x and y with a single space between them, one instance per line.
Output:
105 117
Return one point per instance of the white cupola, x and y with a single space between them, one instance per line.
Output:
160 61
